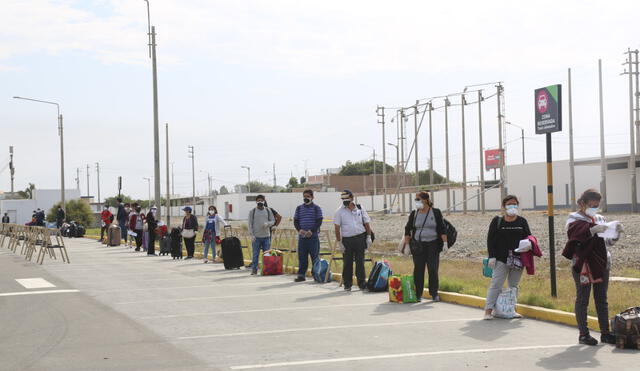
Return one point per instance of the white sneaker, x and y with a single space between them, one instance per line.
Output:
487 317
517 315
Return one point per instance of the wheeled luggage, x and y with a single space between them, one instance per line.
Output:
114 235
165 245
176 243
231 250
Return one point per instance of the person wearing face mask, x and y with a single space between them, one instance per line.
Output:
504 236
353 235
152 224
307 221
121 217
189 229
105 217
136 224
211 231
260 221
591 263
425 233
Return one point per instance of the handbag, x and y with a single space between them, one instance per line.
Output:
514 261
415 245
487 271
188 233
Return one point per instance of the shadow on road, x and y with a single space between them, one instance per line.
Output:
489 331
578 356
394 308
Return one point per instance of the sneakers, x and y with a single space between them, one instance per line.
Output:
347 289
436 298
587 340
300 279
517 315
206 261
137 249
254 272
487 317
607 339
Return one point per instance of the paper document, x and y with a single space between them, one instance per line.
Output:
611 230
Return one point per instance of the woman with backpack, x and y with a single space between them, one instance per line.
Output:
189 229
425 234
211 233
591 262
505 234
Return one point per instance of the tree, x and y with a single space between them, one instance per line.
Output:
28 192
303 180
293 183
77 210
224 190
363 168
257 186
425 178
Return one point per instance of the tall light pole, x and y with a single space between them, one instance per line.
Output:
397 169
193 176
447 103
380 113
173 179
61 134
156 131
98 180
168 200
482 169
415 133
603 164
572 170
375 182
149 184
88 193
249 175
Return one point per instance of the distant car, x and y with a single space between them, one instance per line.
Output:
542 103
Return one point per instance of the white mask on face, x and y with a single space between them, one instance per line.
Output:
512 210
592 211
419 205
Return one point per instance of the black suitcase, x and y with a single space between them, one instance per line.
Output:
80 230
231 250
165 245
176 243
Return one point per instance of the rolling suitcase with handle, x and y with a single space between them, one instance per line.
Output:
231 250
176 243
114 235
165 245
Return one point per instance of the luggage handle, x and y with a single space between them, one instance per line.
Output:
228 230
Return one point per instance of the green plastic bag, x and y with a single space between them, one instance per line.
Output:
408 289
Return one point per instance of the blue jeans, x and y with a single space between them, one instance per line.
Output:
260 243
123 230
306 247
209 244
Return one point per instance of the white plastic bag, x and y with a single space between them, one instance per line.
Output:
404 248
506 303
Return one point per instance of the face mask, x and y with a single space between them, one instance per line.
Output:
260 204
419 205
512 210
592 211
154 212
211 212
346 202
306 200
127 209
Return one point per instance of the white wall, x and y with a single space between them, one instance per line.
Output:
42 199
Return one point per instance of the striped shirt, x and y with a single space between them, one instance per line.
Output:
308 218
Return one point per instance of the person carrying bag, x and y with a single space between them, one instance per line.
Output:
189 229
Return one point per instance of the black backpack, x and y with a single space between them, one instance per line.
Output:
452 233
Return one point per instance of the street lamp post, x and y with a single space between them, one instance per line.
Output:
397 168
61 134
149 184
375 183
249 175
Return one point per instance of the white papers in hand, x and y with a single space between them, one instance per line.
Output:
611 230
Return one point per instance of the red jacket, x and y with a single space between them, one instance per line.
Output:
106 216
527 257
586 248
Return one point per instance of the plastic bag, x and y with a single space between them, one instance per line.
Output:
506 303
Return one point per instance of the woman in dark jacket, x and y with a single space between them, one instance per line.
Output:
189 223
152 224
425 233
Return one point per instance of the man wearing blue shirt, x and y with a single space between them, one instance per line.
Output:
307 221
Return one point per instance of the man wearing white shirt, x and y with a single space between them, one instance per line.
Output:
353 235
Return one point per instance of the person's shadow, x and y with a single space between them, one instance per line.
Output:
395 308
577 356
489 331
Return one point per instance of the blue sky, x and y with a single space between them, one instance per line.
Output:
261 82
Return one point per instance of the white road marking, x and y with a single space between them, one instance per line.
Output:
401 355
260 310
34 283
289 293
18 293
377 324
197 286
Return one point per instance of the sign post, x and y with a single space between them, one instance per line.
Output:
548 108
493 159
119 186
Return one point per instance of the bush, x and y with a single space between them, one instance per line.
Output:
77 210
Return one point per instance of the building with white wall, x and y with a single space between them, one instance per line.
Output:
20 211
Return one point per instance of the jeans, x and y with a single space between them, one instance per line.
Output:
354 250
260 243
123 231
138 238
306 247
501 272
430 257
209 244
190 245
599 297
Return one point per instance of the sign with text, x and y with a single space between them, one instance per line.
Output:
548 103
493 159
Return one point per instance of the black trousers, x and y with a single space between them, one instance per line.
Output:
600 299
189 244
428 256
102 230
151 249
354 251
138 238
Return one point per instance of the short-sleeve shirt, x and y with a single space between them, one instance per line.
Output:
351 222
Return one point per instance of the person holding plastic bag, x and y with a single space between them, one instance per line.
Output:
591 262
504 245
426 237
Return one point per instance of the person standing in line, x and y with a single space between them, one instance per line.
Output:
260 221
5 219
426 235
189 229
307 221
353 235
136 223
590 264
211 231
121 217
59 217
152 224
106 217
503 238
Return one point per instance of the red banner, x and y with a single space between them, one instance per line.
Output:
493 159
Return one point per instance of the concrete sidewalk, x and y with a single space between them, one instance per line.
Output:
214 318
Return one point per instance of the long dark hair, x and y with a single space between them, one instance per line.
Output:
424 195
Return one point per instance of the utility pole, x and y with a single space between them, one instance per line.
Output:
193 176
173 180
430 145
632 151
168 200
98 180
482 170
249 177
403 163
12 169
463 102
415 129
637 94
572 172
78 178
149 194
380 113
603 164
502 159
88 193
274 176
446 151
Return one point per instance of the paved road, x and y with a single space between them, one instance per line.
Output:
134 312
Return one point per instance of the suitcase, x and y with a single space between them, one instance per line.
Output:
379 277
321 272
176 243
114 235
232 256
145 240
165 245
626 328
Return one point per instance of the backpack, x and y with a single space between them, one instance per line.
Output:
451 232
